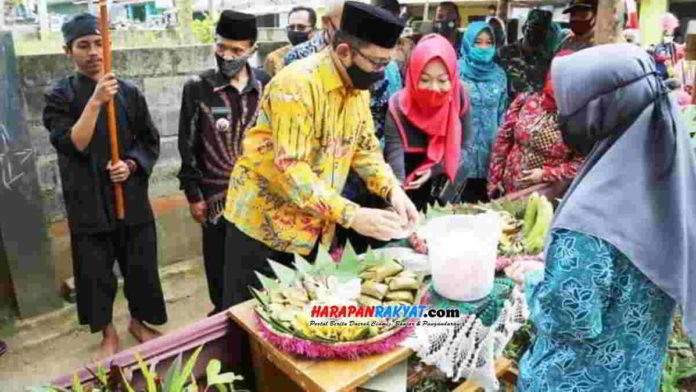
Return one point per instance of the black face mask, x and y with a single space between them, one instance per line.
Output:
445 28
298 37
363 80
231 68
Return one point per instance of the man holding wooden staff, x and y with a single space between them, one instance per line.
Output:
75 116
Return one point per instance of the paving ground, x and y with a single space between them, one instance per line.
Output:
53 345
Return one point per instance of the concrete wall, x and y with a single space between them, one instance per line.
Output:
160 73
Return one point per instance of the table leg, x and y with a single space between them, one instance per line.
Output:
268 377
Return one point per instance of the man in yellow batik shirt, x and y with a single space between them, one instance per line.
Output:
315 124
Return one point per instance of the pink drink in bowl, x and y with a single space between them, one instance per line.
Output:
462 251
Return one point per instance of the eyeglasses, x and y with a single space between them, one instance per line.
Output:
451 23
376 63
298 27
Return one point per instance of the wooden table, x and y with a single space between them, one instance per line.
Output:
278 371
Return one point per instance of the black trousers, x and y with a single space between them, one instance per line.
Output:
243 256
135 250
214 260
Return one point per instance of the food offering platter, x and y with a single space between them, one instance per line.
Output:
322 310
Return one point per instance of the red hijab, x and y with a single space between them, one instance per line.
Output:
435 114
549 101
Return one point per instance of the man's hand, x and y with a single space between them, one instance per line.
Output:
198 211
404 207
118 172
380 224
106 89
418 182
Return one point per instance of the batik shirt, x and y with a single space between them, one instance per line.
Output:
526 72
601 324
213 120
488 103
306 49
530 139
275 61
285 189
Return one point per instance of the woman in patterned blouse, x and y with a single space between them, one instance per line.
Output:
487 85
529 148
621 252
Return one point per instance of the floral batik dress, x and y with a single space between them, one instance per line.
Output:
601 324
530 139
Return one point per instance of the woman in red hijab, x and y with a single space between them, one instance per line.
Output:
428 128
529 148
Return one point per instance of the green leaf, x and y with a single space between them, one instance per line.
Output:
286 275
349 253
303 266
125 381
267 282
172 373
226 378
180 379
76 384
194 384
324 263
212 370
261 297
101 375
149 377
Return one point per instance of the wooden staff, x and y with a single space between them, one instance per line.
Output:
110 108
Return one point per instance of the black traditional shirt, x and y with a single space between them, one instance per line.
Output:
213 120
87 188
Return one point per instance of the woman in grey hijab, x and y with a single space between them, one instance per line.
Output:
622 249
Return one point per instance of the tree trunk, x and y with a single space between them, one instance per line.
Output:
211 9
2 15
609 16
184 10
503 6
43 19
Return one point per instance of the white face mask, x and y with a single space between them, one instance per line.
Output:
669 39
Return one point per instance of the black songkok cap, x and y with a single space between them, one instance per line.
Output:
237 26
371 24
79 26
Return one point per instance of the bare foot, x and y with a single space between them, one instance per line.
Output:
110 343
142 332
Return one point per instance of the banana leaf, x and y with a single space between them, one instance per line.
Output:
286 275
261 297
267 282
303 266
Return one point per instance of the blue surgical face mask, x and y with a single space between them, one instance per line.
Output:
483 55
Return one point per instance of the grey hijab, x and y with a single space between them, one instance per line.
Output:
637 189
